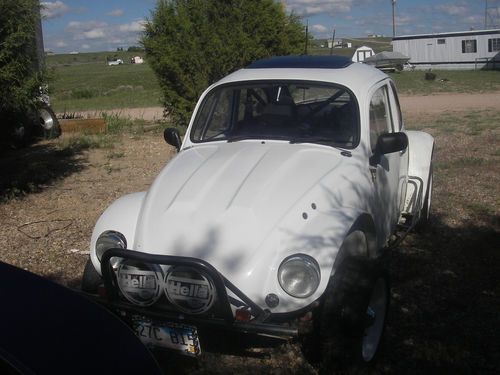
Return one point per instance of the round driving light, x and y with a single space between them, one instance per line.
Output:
190 290
272 300
299 275
140 283
109 239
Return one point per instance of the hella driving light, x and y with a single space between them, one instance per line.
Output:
299 275
109 240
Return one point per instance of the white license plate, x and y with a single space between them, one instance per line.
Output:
179 337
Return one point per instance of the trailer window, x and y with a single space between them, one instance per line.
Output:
494 45
441 41
469 46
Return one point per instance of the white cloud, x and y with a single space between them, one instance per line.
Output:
53 9
61 44
85 46
134 26
98 35
319 28
94 34
312 7
452 9
115 13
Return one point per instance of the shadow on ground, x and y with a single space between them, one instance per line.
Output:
31 169
445 312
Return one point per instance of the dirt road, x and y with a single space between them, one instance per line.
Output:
409 104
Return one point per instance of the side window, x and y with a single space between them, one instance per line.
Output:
380 115
398 121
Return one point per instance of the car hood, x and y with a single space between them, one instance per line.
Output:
221 202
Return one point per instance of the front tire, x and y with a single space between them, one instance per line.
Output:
353 314
91 278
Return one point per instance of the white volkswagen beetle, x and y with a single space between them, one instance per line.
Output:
294 178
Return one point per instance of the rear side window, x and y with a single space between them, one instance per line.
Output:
380 115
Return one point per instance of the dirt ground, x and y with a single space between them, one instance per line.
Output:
444 316
412 104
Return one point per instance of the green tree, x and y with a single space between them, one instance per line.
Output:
20 74
193 43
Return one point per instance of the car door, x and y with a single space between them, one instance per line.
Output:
385 171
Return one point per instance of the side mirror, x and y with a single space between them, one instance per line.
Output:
388 143
172 137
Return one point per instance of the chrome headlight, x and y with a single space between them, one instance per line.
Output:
299 275
109 239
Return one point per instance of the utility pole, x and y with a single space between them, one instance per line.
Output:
307 37
393 19
333 42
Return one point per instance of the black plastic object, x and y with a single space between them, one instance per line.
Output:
172 137
305 61
49 329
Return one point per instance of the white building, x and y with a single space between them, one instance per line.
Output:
476 49
362 53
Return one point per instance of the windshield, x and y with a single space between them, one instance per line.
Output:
293 111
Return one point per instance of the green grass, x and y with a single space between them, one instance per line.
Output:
459 81
84 81
89 84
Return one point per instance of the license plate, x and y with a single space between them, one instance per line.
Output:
179 337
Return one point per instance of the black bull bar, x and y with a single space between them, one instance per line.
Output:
224 318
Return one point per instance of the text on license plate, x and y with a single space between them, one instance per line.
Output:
179 337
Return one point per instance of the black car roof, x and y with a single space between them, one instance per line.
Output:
304 61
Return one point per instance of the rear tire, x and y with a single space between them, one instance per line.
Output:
91 278
352 317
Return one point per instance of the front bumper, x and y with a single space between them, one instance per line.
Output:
219 318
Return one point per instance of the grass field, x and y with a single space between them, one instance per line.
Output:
85 81
464 81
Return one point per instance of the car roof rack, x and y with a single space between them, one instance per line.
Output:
302 62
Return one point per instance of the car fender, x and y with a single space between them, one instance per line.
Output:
332 236
120 216
421 147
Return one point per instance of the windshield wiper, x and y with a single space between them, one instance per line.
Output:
320 140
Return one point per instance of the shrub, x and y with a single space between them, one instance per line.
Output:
193 43
20 74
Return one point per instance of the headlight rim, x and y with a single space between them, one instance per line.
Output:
121 242
308 260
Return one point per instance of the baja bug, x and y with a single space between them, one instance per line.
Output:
295 177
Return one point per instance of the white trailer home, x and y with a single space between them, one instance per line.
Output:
478 49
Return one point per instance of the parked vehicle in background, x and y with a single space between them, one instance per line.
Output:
294 179
115 62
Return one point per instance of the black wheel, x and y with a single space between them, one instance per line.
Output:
49 122
91 279
426 207
352 317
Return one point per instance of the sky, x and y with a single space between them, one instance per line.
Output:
105 25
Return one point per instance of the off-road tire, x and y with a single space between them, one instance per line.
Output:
343 318
91 278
